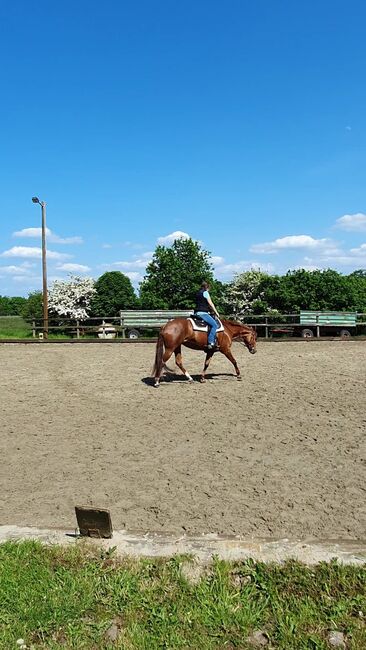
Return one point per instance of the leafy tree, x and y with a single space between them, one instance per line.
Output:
301 289
114 292
33 307
256 292
11 306
71 298
218 292
245 293
357 287
174 276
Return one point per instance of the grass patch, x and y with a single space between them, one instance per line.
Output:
14 327
54 597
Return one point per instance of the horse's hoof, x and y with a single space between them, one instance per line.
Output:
239 378
202 380
156 385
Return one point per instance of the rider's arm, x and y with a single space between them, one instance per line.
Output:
208 298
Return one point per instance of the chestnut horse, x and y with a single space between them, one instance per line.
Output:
179 331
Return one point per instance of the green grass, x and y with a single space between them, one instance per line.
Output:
54 597
14 327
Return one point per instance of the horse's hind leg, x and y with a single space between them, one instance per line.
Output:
166 356
178 361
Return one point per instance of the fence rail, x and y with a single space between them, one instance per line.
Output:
266 324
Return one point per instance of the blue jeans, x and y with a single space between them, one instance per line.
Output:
211 323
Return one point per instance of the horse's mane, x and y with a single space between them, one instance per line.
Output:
233 325
235 322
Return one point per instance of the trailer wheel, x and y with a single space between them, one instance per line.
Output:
307 333
345 334
133 334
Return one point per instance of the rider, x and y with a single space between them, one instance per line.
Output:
204 309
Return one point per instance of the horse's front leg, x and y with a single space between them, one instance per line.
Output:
209 356
228 355
179 362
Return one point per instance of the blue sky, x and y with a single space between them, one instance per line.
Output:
241 124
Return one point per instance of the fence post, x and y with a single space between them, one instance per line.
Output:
103 326
77 330
317 327
121 320
266 327
34 329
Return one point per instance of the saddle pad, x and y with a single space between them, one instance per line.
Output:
203 327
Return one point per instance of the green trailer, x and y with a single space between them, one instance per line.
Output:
326 323
134 322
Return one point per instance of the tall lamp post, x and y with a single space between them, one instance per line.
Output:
35 199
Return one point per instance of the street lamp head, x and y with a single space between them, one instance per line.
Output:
35 199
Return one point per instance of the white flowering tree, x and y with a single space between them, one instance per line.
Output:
243 293
71 298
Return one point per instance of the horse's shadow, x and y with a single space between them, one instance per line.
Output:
172 378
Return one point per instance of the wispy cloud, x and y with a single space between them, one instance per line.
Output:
138 263
225 271
15 270
73 268
352 222
36 233
33 252
361 250
134 276
293 242
169 239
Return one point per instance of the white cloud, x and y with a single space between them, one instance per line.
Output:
15 270
33 252
169 239
137 263
352 222
51 237
25 278
216 260
225 271
361 250
73 268
355 257
293 242
106 245
134 276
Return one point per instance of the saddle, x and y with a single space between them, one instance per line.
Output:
200 325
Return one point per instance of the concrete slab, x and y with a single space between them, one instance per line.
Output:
203 547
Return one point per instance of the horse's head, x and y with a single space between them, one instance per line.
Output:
249 337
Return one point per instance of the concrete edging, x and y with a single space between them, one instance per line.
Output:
203 547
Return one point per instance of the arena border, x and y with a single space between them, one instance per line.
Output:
154 340
202 547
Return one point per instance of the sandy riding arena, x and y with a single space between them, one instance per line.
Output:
280 454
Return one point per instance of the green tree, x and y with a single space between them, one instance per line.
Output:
357 287
114 292
302 289
33 307
11 306
174 276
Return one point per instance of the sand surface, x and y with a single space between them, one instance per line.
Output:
280 454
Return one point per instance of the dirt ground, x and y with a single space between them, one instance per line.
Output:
280 454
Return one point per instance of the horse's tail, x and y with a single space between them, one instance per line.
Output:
159 352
